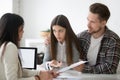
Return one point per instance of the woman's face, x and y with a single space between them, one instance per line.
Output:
59 32
20 32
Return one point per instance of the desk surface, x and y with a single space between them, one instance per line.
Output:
75 75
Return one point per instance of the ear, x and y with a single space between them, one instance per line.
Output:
104 23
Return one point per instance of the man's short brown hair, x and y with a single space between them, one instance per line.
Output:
100 9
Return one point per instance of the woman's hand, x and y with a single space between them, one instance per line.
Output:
47 75
55 63
54 74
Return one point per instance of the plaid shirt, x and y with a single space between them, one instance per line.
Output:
108 55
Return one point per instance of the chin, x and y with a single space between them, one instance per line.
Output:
89 31
58 40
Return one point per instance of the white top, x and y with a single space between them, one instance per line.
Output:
93 50
10 68
61 51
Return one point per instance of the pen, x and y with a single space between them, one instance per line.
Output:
48 66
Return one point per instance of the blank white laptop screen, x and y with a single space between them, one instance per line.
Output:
28 57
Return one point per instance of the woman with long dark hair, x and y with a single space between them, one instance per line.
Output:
11 31
63 46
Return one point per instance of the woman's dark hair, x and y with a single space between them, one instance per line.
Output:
9 25
100 9
70 38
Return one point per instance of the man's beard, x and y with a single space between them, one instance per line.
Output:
93 32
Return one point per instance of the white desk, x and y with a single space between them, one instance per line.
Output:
81 76
75 75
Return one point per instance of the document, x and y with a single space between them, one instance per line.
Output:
70 74
71 66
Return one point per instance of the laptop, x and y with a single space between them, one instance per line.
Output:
28 57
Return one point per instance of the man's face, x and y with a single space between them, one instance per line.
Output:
94 23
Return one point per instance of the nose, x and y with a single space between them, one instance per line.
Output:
88 24
57 34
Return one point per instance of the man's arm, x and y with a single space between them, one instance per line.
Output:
108 62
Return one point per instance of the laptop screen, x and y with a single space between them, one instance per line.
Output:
28 57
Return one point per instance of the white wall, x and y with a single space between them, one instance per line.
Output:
114 21
16 6
38 14
5 7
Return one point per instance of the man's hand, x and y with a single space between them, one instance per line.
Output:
79 68
47 40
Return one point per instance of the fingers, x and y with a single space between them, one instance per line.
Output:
55 63
54 74
79 68
48 75
45 75
47 40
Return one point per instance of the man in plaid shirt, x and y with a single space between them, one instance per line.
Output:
100 45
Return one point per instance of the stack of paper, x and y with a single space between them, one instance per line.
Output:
71 66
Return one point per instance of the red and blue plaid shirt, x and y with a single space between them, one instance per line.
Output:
108 55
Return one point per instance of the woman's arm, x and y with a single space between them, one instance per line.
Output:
11 64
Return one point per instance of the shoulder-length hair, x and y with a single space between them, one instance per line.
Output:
70 39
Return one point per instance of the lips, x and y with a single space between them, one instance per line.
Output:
59 38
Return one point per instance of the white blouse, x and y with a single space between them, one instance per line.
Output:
10 68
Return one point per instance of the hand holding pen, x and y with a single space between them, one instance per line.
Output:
53 64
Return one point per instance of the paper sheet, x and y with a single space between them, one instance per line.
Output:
71 66
69 75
